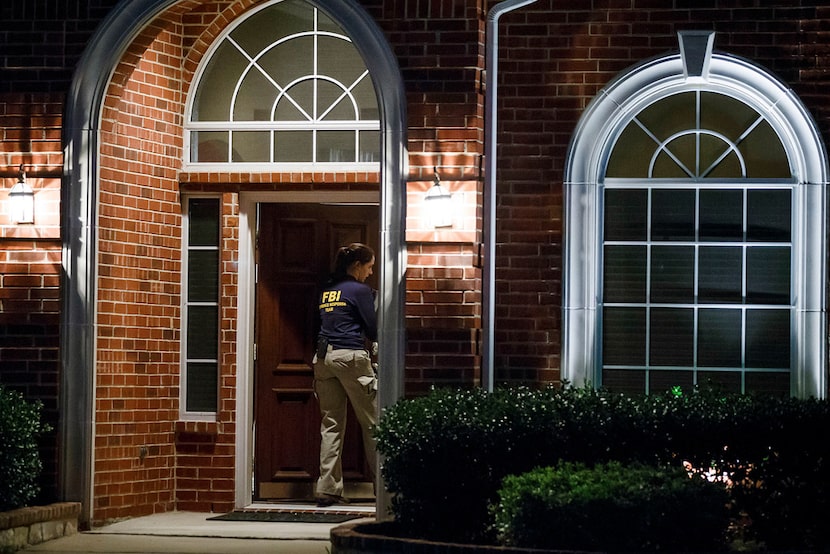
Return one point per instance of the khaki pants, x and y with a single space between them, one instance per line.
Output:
344 376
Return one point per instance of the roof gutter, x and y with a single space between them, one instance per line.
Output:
489 224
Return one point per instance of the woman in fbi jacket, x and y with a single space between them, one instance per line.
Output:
343 366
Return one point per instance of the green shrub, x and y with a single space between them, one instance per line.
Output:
445 454
612 508
20 464
784 487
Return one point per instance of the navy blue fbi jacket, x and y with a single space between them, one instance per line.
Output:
347 314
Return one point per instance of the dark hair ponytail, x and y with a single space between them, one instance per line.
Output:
347 255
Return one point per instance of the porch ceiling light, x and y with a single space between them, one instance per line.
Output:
438 204
22 200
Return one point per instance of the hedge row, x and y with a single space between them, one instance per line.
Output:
446 454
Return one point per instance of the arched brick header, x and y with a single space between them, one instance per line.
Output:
121 40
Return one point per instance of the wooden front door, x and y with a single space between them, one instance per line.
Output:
296 244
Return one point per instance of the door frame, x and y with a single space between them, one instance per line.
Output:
246 332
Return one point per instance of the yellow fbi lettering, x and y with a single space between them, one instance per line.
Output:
330 296
330 300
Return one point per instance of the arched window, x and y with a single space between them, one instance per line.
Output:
284 85
695 215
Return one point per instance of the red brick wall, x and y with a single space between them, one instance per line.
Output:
139 281
42 41
555 56
553 61
30 262
440 51
205 450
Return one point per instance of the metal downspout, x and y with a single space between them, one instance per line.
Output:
488 318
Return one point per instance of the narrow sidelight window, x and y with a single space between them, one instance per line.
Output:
201 308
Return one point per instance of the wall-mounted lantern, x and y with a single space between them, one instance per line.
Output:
22 200
438 204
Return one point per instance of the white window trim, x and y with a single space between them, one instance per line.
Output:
587 157
317 125
184 414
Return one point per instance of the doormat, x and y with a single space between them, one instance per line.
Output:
287 517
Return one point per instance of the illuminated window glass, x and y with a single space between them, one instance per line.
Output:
286 85
697 249
694 247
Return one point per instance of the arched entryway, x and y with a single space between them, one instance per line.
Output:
132 29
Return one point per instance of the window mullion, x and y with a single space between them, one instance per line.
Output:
648 308
697 134
745 289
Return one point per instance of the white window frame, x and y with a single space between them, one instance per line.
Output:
588 156
184 414
317 124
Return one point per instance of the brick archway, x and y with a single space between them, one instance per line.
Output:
121 224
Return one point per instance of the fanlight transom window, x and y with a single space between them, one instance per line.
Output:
286 85
699 135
